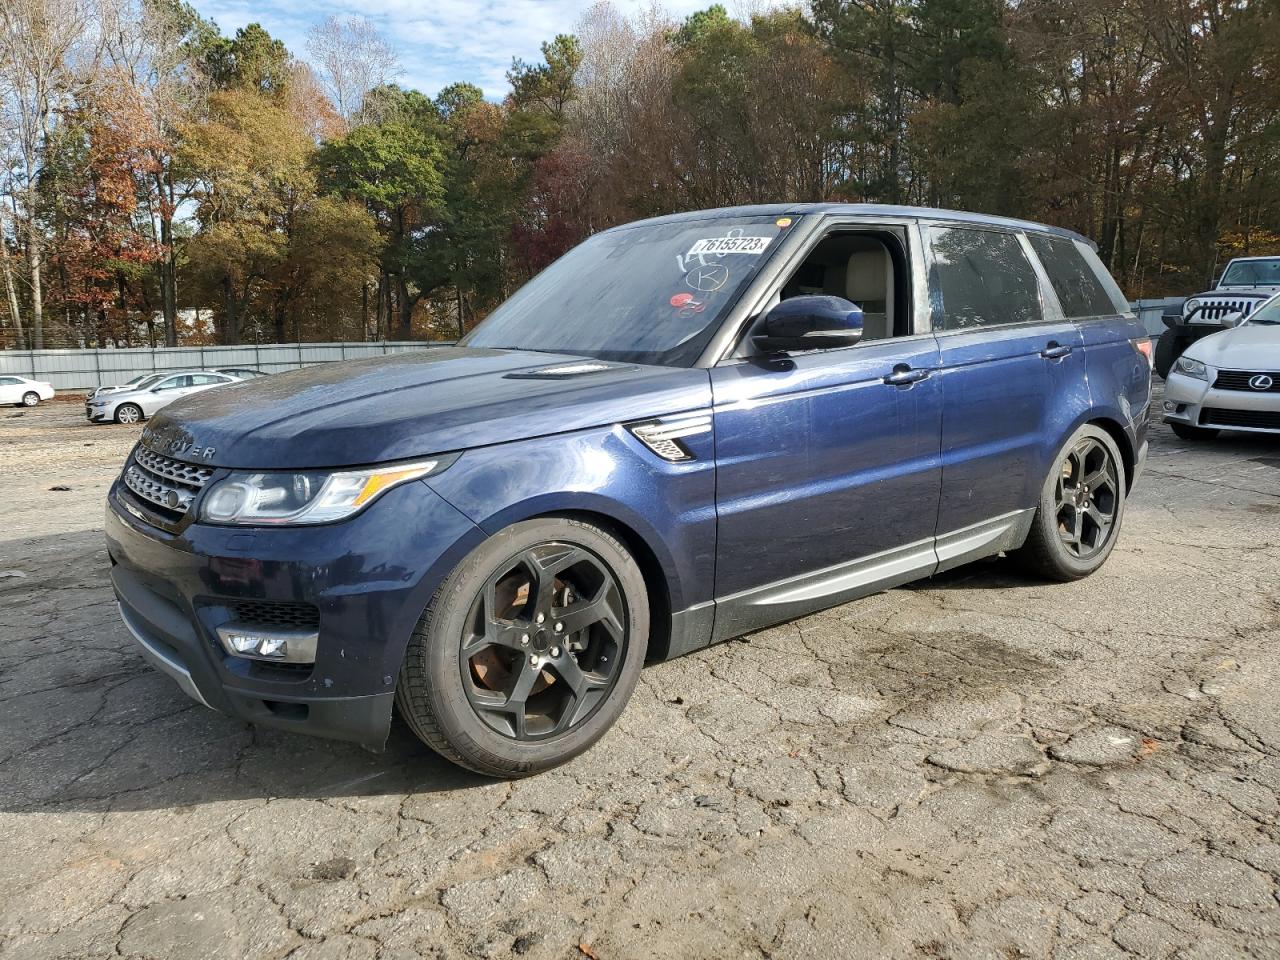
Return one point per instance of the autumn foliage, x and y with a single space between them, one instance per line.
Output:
165 183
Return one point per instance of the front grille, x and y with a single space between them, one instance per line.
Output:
166 486
1239 380
1221 309
275 615
1254 419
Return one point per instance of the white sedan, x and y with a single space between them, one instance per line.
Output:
150 395
22 392
1229 380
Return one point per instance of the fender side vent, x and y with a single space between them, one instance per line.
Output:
663 436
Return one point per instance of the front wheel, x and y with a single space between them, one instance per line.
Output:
529 650
128 413
1081 506
30 398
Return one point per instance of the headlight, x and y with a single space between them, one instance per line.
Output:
1192 368
1190 306
260 499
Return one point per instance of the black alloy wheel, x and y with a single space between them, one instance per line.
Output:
530 648
544 641
1087 498
1081 507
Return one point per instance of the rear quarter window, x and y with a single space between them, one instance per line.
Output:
981 278
1078 287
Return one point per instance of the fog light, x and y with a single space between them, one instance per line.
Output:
278 646
1169 404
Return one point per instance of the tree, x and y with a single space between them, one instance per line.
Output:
394 168
250 161
39 43
352 58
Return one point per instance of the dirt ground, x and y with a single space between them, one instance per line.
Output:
981 765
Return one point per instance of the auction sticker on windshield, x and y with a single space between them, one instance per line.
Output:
730 244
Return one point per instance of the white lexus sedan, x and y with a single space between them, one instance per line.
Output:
21 392
1228 381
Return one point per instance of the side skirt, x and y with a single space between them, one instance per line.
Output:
807 593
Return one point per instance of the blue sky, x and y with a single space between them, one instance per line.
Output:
439 41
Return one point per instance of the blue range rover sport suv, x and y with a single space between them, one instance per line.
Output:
685 429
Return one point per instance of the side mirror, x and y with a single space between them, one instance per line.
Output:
810 323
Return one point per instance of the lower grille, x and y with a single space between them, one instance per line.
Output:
165 486
1253 419
1239 380
277 615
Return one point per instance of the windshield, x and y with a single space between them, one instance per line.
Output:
646 294
150 381
1252 273
1267 315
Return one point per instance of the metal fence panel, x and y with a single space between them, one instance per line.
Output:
1150 312
75 370
85 369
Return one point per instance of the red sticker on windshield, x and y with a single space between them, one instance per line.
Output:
681 299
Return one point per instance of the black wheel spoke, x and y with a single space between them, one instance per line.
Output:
1102 520
518 698
578 616
586 688
544 568
497 632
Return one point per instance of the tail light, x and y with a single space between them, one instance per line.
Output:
1145 347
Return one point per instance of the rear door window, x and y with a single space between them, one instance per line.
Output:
981 278
1076 285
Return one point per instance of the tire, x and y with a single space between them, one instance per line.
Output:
30 398
1169 348
1188 432
1067 541
128 413
467 706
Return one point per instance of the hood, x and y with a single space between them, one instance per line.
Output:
1246 292
413 404
1247 347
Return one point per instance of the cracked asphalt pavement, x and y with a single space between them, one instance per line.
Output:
980 765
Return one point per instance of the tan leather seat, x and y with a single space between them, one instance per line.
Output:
869 284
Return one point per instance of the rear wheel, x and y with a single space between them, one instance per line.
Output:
30 398
529 650
1188 432
128 413
1081 507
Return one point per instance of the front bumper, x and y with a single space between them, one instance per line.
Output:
369 578
1195 402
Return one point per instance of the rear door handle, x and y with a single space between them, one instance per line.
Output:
1055 351
904 376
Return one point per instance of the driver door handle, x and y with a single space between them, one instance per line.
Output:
904 376
1055 351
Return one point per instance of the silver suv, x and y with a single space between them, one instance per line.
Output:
144 399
